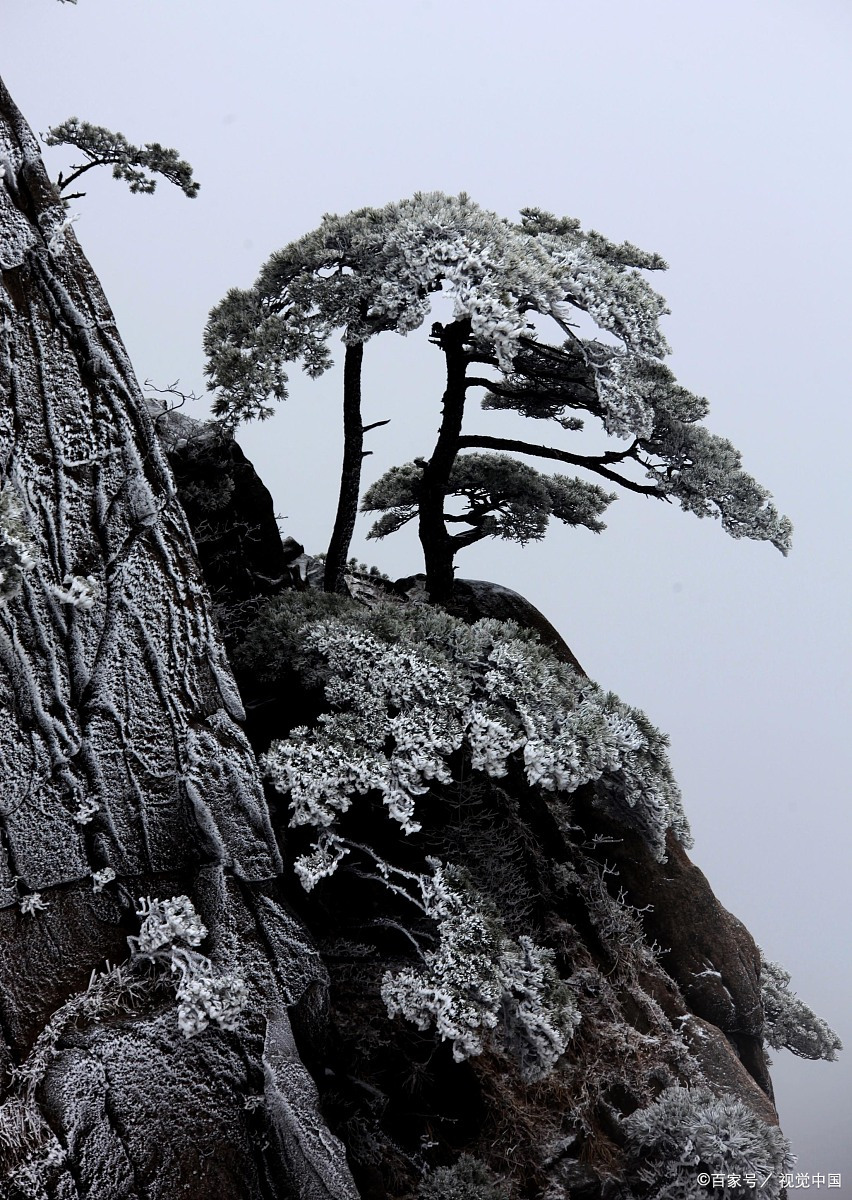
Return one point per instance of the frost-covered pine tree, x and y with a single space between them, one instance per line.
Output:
136 165
377 269
124 772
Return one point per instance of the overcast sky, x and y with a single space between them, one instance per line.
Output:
716 134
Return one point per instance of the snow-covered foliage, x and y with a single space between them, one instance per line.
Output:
77 590
466 1179
478 982
691 1130
171 929
376 269
789 1023
703 472
409 688
418 698
16 553
136 165
33 902
505 498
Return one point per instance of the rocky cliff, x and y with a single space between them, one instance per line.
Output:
666 1044
131 805
444 943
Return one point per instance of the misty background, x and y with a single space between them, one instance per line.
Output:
717 135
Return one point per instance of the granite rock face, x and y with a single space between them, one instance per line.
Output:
126 774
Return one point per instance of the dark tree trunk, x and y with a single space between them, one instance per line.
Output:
439 547
119 752
350 478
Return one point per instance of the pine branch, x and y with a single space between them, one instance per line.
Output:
597 463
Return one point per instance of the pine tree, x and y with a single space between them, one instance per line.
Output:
377 269
136 165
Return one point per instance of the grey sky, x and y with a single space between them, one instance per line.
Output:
716 134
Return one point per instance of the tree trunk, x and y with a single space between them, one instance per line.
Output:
350 478
439 547
119 752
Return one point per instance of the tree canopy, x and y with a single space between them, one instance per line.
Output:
377 269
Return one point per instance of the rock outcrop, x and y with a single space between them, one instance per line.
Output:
667 980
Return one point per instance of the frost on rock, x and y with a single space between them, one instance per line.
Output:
107 641
118 752
789 1023
16 555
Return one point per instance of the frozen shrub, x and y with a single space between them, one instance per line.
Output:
789 1023
409 688
478 981
690 1130
466 1179
170 931
167 922
204 997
